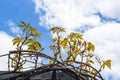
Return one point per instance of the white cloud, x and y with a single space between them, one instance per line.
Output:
5 47
13 27
74 14
66 13
107 41
109 8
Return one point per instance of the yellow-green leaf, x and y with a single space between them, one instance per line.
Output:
29 41
51 62
92 73
17 41
59 55
54 39
38 35
89 55
37 44
106 63
80 36
61 29
31 47
15 59
91 46
71 60
76 50
34 30
91 61
52 47
54 29
20 67
64 42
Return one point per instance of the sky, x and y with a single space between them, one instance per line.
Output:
97 20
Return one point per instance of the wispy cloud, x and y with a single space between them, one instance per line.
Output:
13 27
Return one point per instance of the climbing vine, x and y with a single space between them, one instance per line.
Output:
70 50
74 50
27 38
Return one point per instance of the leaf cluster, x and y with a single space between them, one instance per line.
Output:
28 38
71 50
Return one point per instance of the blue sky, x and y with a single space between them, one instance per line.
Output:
17 11
98 20
14 11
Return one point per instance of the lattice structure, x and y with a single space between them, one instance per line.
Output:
44 68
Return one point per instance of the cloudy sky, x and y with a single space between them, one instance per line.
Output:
97 20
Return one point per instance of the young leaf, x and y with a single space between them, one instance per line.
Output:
51 62
76 50
37 45
15 59
71 60
61 29
38 35
20 67
17 41
52 47
64 42
80 36
90 61
92 73
54 39
31 47
34 30
29 41
53 29
106 63
91 46
25 26
59 55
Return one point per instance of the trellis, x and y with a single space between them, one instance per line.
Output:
65 67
